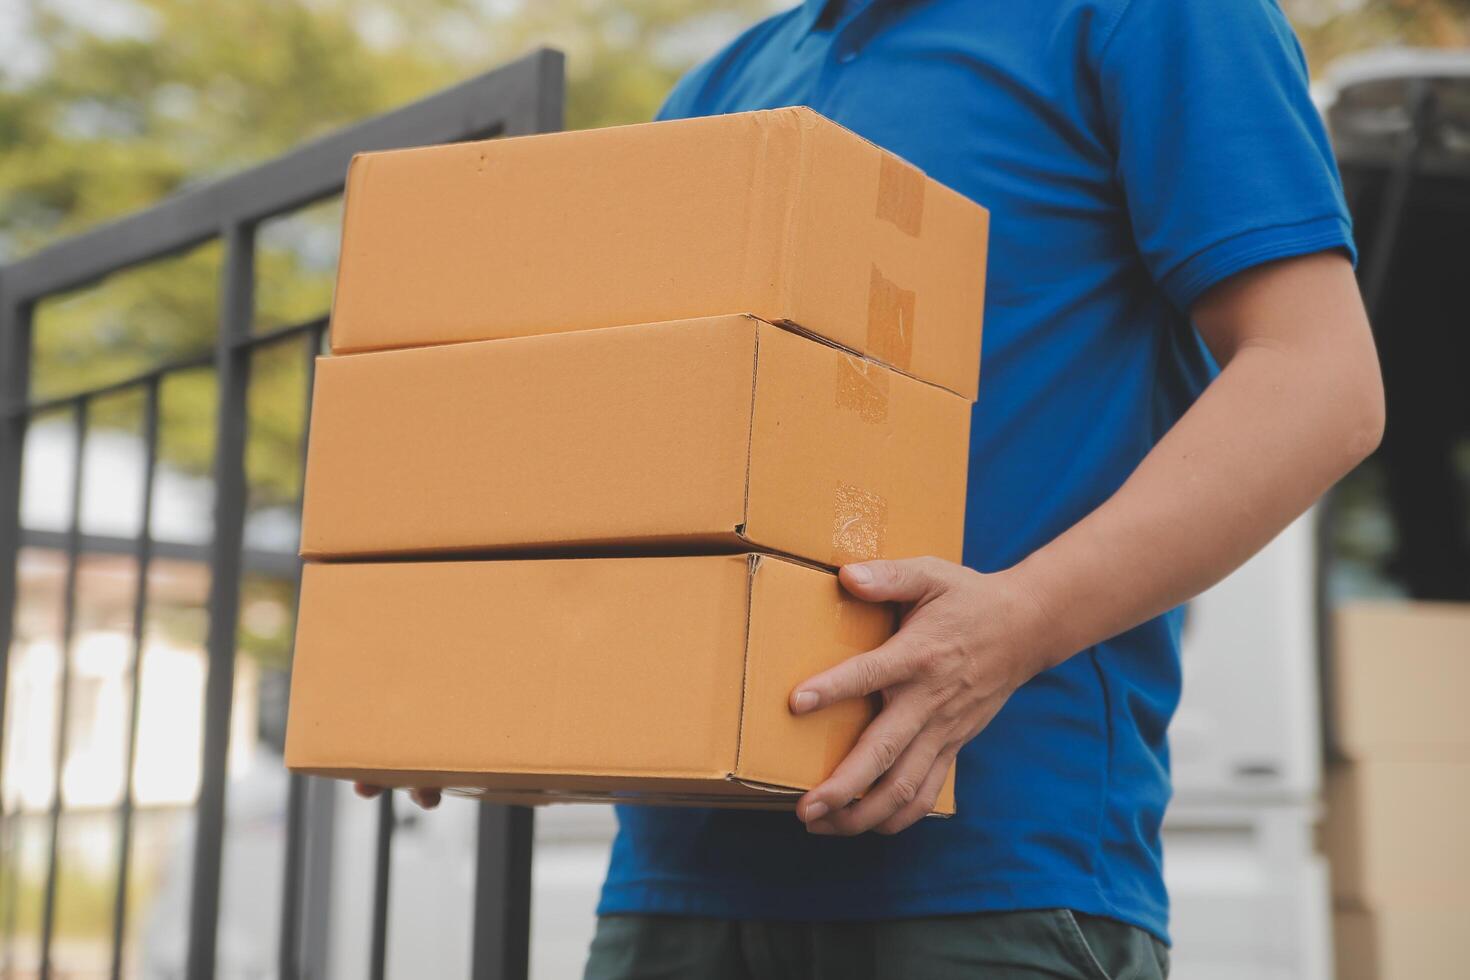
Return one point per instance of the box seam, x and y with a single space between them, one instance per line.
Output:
353 189
303 551
792 327
736 774
820 119
759 168
755 376
798 192
752 568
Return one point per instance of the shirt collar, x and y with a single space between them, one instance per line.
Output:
812 10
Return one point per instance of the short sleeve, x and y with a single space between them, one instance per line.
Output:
1223 158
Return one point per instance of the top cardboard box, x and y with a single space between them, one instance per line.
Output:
780 213
1400 674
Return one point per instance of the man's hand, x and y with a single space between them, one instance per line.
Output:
426 798
967 641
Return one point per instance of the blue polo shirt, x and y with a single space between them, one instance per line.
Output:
1133 153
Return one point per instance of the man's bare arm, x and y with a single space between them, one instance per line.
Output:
1298 403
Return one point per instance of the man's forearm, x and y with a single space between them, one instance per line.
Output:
1297 404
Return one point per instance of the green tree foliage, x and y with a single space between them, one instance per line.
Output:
120 111
1331 28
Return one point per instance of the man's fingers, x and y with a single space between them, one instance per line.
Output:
901 788
881 745
426 797
928 795
857 677
904 580
908 580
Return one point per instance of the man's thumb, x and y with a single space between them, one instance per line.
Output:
905 580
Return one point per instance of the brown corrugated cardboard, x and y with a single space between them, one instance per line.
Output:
720 433
640 679
1395 831
779 213
1414 942
1400 674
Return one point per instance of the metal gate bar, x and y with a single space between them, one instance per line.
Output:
293 881
63 712
523 97
15 354
232 368
502 879
143 557
382 875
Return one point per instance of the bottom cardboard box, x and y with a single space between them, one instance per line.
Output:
1394 831
639 680
1410 941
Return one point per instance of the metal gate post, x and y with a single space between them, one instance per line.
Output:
503 893
63 711
232 368
15 363
15 376
143 556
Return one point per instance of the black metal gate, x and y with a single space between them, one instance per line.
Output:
523 97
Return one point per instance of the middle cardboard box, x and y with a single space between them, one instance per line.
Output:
722 433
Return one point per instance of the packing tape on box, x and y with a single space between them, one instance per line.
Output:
901 195
859 524
890 321
862 388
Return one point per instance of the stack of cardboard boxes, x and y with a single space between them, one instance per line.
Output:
609 408
1398 795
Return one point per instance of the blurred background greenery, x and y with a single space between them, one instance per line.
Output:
109 105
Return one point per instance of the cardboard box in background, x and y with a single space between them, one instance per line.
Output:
780 213
718 434
1395 832
1401 679
1398 795
1419 942
652 680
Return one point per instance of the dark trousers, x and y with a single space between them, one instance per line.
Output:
1057 944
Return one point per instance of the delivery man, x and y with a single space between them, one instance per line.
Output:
1176 364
